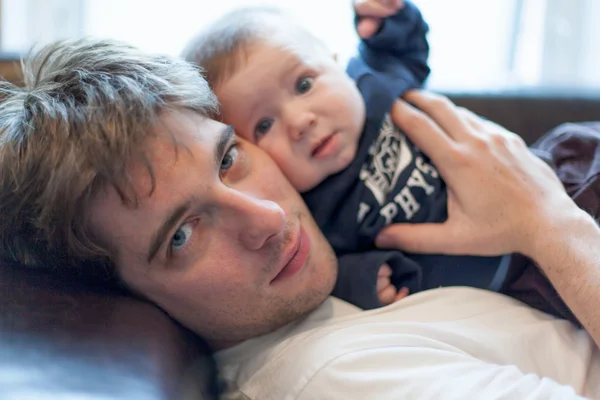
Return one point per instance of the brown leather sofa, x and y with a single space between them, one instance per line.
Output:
65 339
533 112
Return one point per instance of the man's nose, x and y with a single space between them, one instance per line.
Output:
255 220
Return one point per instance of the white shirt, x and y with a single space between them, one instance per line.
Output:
447 343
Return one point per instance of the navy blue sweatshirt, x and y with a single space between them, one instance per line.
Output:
389 180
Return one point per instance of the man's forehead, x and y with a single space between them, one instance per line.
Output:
158 178
182 128
176 138
161 156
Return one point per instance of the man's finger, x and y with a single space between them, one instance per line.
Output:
480 124
419 238
423 132
475 122
443 111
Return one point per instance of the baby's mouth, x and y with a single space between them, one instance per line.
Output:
322 146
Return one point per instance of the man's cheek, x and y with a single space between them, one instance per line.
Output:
221 275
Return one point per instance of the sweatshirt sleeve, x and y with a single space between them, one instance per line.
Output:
357 276
399 49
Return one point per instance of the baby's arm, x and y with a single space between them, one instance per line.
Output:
371 13
386 291
398 48
370 279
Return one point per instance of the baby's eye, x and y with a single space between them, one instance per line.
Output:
182 236
262 128
304 84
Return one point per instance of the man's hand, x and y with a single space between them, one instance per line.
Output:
498 191
387 292
501 199
372 12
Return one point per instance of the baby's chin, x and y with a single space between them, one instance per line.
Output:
304 185
345 158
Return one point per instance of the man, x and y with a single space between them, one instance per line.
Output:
108 155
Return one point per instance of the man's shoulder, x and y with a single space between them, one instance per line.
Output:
446 323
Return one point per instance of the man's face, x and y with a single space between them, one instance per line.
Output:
298 105
223 244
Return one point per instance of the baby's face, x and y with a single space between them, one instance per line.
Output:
297 104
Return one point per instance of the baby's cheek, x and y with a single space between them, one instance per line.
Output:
249 136
286 162
299 171
307 178
347 156
296 174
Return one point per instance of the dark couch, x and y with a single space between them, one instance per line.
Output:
533 112
63 339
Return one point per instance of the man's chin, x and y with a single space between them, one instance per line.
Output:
314 287
301 306
279 311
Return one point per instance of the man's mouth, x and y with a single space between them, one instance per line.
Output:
295 256
327 146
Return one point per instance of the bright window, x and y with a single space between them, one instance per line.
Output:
475 44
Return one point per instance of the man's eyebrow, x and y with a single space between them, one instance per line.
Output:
225 137
166 227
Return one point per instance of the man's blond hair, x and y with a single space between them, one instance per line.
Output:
84 113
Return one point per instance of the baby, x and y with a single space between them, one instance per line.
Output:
331 134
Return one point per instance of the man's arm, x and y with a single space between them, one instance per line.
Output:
427 373
567 249
501 199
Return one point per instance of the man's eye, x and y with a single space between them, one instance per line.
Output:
182 236
262 128
304 84
229 158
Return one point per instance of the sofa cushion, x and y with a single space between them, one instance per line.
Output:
532 112
63 339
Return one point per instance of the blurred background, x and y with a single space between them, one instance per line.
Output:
475 44
528 65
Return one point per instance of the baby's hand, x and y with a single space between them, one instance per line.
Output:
387 292
372 12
